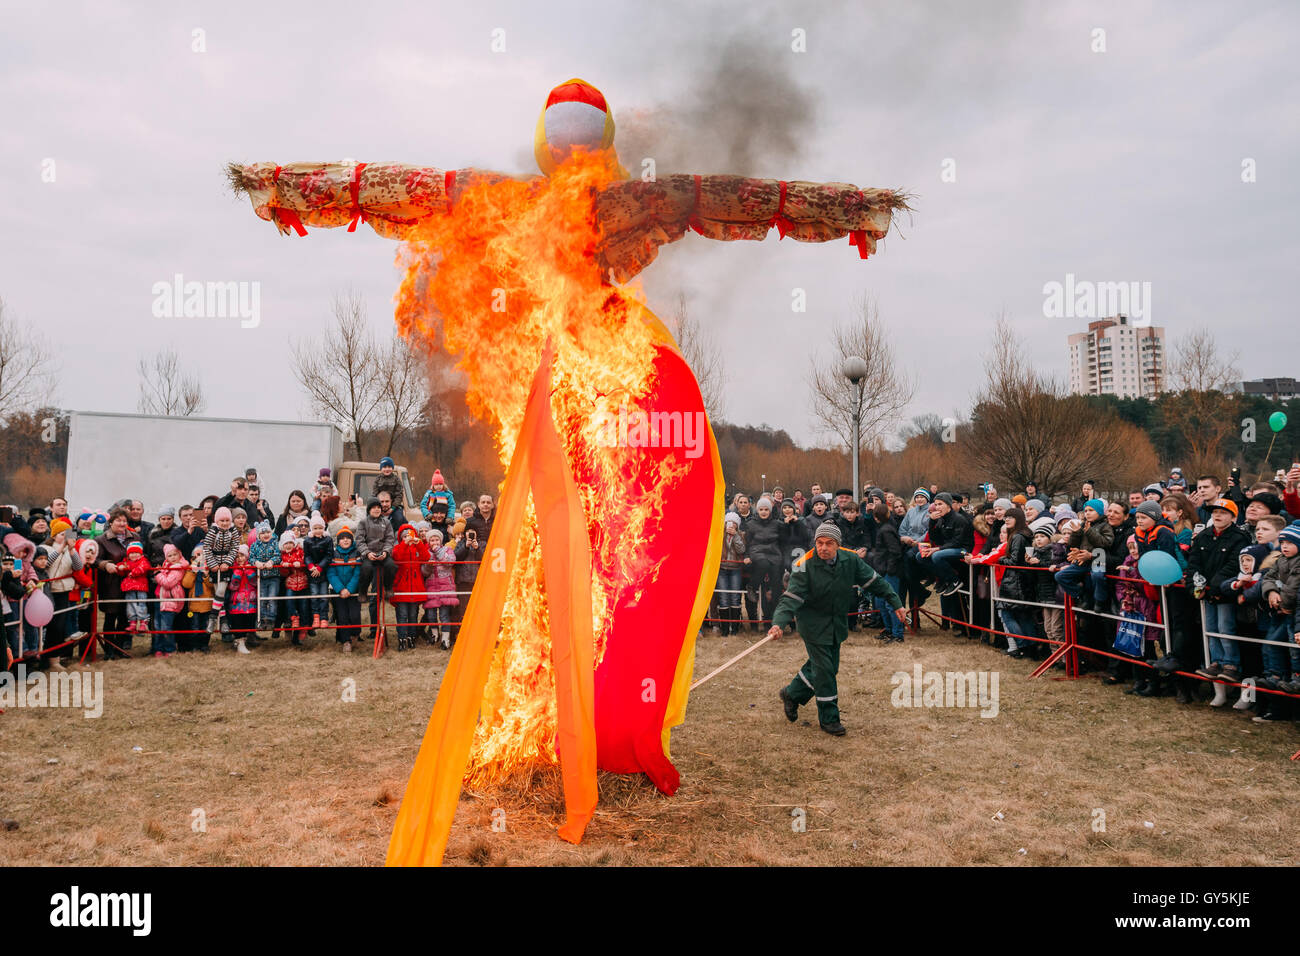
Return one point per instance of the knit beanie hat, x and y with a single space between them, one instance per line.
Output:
344 532
288 541
1003 503
262 526
386 462
135 546
765 500
59 525
435 533
944 497
325 473
1151 509
731 518
1066 513
828 530
1019 499
1290 533
423 526
1097 505
243 549
223 512
923 492
167 510
171 552
1043 526
317 521
437 478
1037 504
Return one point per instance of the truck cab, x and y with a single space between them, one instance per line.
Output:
358 478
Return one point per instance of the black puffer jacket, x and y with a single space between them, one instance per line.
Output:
763 539
794 534
887 555
1017 584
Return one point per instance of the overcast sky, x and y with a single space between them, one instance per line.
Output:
1122 165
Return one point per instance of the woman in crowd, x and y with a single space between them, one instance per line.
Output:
294 509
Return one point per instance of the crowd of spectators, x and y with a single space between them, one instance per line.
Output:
1017 571
232 566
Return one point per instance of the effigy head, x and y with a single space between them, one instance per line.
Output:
575 116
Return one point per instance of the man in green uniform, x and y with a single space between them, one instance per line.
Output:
821 594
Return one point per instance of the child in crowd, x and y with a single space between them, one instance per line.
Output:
1212 561
33 636
388 480
438 491
1137 601
318 549
65 561
12 592
84 580
344 576
240 518
135 587
730 572
1280 584
441 587
169 582
243 600
292 568
219 547
323 488
408 584
264 555
1044 581
199 590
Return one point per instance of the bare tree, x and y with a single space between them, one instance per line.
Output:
702 353
166 389
375 393
1026 427
886 389
1200 379
27 372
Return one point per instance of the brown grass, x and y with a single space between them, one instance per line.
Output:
285 772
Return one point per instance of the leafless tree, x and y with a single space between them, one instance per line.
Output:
1026 427
375 392
702 353
1201 379
166 389
886 389
27 370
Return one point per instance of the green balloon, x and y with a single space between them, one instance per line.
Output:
1277 421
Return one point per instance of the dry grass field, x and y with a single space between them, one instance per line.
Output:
266 753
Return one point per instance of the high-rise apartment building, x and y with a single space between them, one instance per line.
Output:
1115 357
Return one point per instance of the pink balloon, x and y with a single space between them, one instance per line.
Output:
38 609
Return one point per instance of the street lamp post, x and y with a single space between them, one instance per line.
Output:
855 370
765 484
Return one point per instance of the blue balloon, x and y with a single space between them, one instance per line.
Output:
1159 567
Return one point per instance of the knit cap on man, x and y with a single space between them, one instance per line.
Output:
828 530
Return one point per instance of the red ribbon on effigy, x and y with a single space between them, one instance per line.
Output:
780 220
284 216
355 189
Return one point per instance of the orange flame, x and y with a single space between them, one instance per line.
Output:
508 273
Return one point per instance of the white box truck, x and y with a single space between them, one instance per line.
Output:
163 460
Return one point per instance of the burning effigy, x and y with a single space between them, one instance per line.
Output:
577 645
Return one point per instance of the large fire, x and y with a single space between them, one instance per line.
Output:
509 274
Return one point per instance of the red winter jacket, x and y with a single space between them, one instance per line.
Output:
408 585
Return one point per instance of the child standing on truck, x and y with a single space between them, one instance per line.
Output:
388 480
438 491
323 488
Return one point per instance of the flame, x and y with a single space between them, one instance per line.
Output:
510 272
